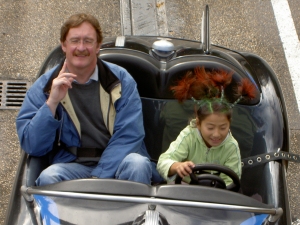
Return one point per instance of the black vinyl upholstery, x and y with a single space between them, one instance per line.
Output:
153 84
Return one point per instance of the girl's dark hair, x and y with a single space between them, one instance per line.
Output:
213 106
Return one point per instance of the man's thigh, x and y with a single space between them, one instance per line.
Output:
64 171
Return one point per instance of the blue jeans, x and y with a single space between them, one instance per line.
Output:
134 167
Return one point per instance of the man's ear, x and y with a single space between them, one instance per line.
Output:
99 45
63 47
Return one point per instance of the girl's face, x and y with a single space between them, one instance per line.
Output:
214 129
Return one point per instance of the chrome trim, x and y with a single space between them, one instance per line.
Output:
28 197
151 217
120 41
276 212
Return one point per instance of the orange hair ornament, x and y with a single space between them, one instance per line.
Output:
204 87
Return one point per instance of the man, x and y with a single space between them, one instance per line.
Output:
86 114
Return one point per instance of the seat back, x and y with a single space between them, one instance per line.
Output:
142 67
164 117
35 165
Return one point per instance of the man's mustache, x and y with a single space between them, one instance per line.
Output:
83 53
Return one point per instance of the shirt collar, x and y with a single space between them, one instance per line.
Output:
94 76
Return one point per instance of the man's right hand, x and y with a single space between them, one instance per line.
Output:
59 88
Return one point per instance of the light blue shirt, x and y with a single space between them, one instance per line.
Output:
94 76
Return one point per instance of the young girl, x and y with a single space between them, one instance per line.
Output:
208 138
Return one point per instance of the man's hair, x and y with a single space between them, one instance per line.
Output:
76 20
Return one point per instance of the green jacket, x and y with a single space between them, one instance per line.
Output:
189 146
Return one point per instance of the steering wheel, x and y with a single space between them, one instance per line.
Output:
199 176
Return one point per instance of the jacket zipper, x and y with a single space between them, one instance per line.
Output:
207 154
109 105
60 129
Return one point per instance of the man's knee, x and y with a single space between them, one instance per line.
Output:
135 167
137 162
50 175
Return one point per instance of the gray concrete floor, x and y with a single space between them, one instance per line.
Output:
29 30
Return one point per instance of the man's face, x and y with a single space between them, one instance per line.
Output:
81 47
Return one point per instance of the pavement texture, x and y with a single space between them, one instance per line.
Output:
29 30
